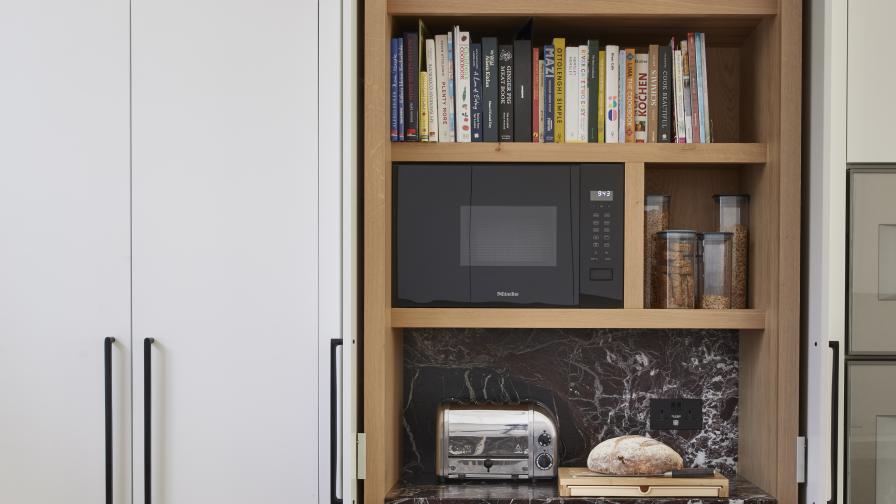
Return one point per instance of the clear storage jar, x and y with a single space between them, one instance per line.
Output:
734 218
716 271
656 219
674 269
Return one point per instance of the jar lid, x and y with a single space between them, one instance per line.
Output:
743 197
656 196
717 235
677 233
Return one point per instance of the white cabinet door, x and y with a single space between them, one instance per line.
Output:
64 249
225 248
871 72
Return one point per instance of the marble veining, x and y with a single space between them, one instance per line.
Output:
598 383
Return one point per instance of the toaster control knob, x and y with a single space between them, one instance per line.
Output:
544 461
544 439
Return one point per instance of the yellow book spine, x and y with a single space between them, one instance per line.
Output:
601 98
629 95
559 88
424 107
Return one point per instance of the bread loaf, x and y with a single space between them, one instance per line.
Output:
633 456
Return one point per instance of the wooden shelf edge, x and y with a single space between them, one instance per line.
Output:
603 8
576 318
481 152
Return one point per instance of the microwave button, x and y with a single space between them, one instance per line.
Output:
601 274
607 215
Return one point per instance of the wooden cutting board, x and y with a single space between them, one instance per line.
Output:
580 482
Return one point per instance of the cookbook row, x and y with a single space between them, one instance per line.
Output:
448 88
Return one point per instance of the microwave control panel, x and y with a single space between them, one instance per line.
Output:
601 235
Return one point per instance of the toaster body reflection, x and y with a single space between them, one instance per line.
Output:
495 441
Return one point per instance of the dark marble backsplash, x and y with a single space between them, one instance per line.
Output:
598 383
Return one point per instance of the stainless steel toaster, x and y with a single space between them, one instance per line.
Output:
495 441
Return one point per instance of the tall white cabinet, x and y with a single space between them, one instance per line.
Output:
64 248
161 180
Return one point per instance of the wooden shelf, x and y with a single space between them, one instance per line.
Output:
604 8
577 318
481 152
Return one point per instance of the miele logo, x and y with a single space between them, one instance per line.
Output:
507 294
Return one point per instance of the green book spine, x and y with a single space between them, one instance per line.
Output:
593 72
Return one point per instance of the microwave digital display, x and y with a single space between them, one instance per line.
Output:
601 195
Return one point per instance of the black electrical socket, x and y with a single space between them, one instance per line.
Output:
676 414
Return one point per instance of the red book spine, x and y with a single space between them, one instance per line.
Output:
692 70
535 91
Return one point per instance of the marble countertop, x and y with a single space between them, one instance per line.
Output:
741 490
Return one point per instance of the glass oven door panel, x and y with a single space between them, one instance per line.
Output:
521 235
872 261
428 200
871 442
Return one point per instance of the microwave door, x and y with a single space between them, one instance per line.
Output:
520 231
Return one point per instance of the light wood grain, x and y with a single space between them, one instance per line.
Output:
481 152
571 478
608 8
581 318
691 190
633 277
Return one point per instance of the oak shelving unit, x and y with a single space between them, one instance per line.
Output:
754 77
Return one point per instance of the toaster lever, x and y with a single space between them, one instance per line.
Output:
488 463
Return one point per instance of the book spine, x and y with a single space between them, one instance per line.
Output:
593 73
629 96
432 75
686 92
680 129
476 90
393 91
462 126
401 92
559 89
695 106
612 127
536 88
701 98
623 111
707 123
490 89
505 101
549 93
664 106
583 94
641 69
522 91
411 87
452 133
424 107
571 100
541 102
601 96
441 48
652 91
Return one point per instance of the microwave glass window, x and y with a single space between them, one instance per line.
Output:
511 236
886 262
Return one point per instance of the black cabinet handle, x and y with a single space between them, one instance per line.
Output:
334 420
107 372
835 409
147 423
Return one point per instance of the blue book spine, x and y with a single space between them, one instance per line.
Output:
476 90
700 97
451 126
549 93
393 109
401 107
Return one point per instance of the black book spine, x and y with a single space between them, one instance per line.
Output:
490 89
593 53
664 114
476 90
505 99
411 87
522 94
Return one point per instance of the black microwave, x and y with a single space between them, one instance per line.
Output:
508 235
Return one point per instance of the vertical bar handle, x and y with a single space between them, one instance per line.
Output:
147 420
835 417
335 395
107 379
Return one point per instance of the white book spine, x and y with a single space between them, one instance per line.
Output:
462 111
686 92
678 88
442 75
611 127
433 85
583 93
707 124
571 116
641 91
541 101
622 96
